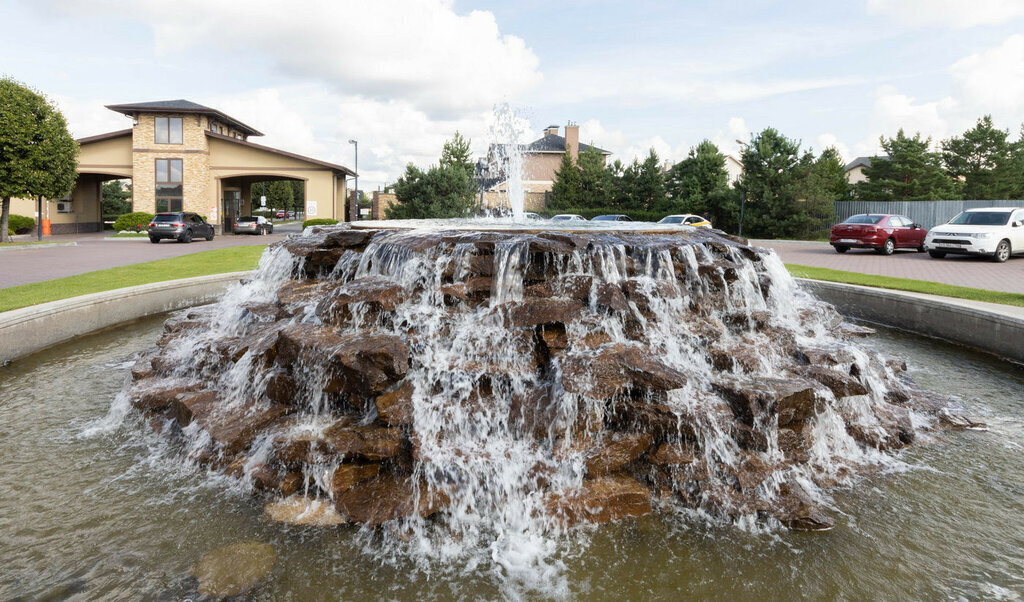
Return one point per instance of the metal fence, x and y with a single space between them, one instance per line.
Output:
927 213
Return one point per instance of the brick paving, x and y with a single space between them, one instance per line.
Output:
974 272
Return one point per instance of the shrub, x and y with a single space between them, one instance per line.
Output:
20 224
135 222
322 221
266 214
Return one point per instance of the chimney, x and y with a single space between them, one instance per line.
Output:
572 141
551 130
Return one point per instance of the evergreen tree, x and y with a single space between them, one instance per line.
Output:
37 154
980 158
910 173
280 195
298 194
456 153
770 173
116 199
594 180
820 183
439 192
642 185
567 189
695 182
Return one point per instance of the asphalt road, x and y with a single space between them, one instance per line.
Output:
961 270
24 266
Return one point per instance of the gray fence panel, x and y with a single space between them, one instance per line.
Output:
927 213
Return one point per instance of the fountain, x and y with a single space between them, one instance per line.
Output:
482 393
506 130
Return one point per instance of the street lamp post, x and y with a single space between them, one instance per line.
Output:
743 198
355 195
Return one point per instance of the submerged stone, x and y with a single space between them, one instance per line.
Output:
234 569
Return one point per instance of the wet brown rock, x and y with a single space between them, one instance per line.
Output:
855 330
231 427
616 451
554 337
370 442
825 356
796 511
613 368
300 448
376 294
356 364
234 569
481 265
840 383
281 388
959 421
348 238
157 396
793 399
300 510
642 292
346 476
672 453
142 369
302 292
394 407
610 296
386 498
291 483
602 500
535 312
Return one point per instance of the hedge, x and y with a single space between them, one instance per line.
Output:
19 224
637 215
135 222
322 221
266 214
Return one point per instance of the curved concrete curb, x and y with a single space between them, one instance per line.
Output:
995 328
45 245
30 329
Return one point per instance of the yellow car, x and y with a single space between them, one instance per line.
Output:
695 221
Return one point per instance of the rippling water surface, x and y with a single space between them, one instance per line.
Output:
90 511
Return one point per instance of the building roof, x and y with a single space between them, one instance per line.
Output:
182 106
862 162
553 143
107 136
333 166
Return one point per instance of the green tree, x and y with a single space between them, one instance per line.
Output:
910 173
116 199
695 183
641 185
439 192
595 186
456 153
37 154
770 173
567 189
298 194
980 158
280 195
820 183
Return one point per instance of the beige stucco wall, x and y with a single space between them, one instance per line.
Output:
231 160
541 166
112 157
856 175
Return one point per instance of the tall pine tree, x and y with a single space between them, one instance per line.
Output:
910 173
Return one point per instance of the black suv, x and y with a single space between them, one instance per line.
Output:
182 226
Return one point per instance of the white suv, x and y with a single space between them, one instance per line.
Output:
994 231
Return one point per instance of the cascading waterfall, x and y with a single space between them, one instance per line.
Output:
505 132
478 394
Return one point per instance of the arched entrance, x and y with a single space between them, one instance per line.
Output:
242 195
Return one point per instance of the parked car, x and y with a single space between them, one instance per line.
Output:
617 217
568 217
687 219
994 231
281 214
531 215
181 226
253 225
879 231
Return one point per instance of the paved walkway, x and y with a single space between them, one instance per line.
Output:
91 252
974 272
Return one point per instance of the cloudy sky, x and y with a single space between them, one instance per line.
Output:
401 76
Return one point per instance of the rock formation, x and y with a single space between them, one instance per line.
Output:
551 377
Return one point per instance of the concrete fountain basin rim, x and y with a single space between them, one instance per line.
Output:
511 227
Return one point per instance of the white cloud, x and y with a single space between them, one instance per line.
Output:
958 14
419 50
87 117
827 140
993 79
738 127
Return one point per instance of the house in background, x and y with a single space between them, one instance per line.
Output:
734 168
183 156
541 159
855 169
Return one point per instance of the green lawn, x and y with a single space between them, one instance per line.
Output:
904 284
219 261
129 235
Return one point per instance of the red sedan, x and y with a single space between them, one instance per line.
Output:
882 232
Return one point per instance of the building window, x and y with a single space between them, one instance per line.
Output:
169 185
168 130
